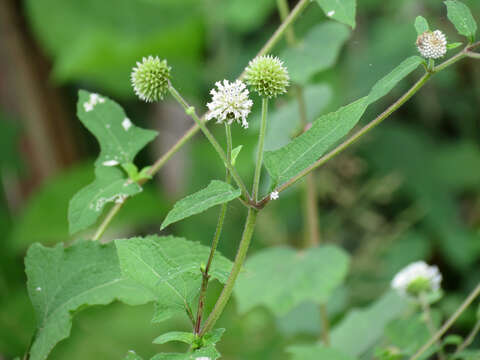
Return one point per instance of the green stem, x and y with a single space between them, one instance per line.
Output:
325 325
237 266
448 323
261 143
216 239
284 10
191 112
108 219
277 35
431 326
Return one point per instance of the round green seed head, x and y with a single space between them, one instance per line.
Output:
267 76
150 79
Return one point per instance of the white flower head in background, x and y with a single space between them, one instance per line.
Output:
432 45
417 278
230 102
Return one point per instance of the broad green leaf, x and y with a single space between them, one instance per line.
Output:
110 185
62 281
281 278
317 51
316 352
421 25
182 336
217 192
235 153
119 139
340 10
169 267
303 151
408 334
361 329
460 16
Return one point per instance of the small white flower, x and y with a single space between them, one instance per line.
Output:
416 278
432 45
230 102
274 195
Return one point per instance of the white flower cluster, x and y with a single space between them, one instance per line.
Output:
432 45
417 277
230 102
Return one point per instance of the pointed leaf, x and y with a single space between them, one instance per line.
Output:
460 16
421 25
169 267
62 281
316 52
110 185
303 151
119 139
182 336
281 278
235 153
216 193
340 10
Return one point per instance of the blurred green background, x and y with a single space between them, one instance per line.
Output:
409 190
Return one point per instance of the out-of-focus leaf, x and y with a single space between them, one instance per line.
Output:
100 41
244 15
421 25
343 11
169 268
9 138
182 336
120 140
235 153
110 185
286 162
208 352
317 352
216 193
361 329
61 281
460 16
281 278
317 51
408 334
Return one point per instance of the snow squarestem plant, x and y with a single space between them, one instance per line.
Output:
267 77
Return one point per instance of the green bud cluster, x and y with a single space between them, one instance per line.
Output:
267 76
150 79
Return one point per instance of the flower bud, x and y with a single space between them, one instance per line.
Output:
267 76
150 79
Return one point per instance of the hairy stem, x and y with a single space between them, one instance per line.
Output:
473 295
237 266
261 143
216 239
191 112
277 35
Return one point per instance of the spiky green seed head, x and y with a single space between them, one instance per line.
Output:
150 79
267 76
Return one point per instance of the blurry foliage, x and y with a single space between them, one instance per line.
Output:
409 191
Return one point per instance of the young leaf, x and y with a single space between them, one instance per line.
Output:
182 336
119 139
62 281
235 153
421 25
281 278
169 267
110 185
316 352
288 161
361 329
216 193
343 11
460 16
316 52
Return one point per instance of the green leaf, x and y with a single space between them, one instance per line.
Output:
421 25
62 281
316 352
86 206
169 267
119 139
205 352
216 193
361 329
343 11
303 151
131 170
460 16
455 45
281 278
185 337
408 334
235 153
452 339
316 52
